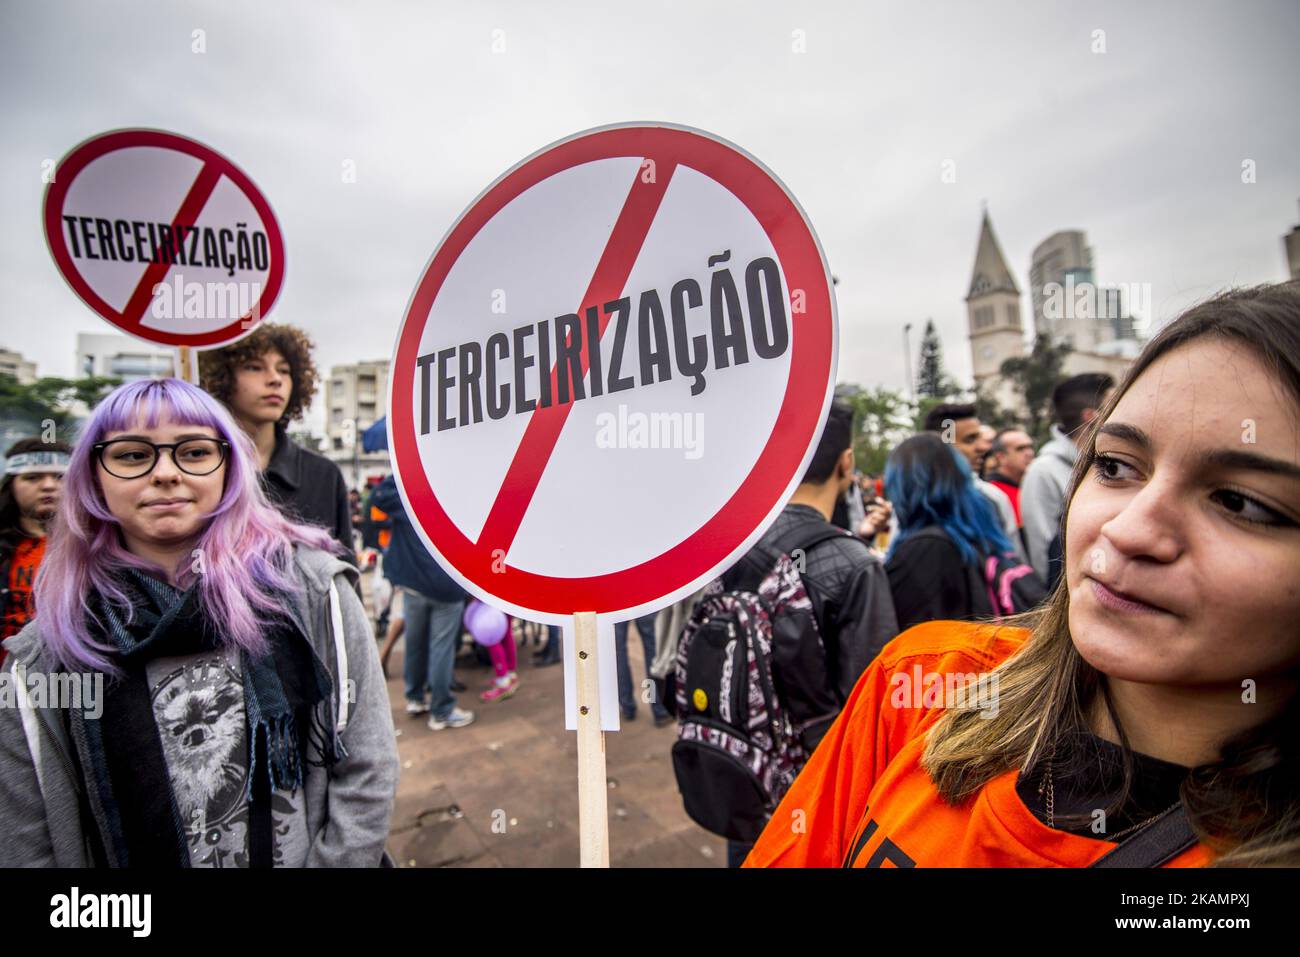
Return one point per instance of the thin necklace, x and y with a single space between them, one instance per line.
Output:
1047 789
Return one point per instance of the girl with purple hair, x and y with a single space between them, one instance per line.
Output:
219 697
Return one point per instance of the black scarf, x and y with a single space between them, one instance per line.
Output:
285 692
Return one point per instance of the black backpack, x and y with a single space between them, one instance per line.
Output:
752 693
1001 585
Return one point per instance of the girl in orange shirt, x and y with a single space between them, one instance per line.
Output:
1152 700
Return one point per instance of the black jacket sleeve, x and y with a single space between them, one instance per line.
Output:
343 519
866 622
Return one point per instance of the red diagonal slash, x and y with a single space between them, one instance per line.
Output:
543 430
191 206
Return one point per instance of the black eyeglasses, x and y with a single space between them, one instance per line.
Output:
135 458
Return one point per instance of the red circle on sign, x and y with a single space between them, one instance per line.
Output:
803 407
215 166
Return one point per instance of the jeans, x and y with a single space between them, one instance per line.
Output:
432 630
645 626
553 650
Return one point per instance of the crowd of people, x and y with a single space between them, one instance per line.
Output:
989 655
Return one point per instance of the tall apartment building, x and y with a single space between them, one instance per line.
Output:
1291 243
16 424
1066 259
13 363
355 398
1069 303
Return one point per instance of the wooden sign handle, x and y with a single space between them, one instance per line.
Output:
593 789
186 360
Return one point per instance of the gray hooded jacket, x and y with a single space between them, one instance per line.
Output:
348 806
1042 496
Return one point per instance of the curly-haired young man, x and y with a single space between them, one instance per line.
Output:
267 380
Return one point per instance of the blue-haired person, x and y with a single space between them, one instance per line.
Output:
950 558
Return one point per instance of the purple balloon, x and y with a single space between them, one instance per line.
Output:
486 625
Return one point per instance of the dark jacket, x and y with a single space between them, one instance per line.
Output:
930 581
310 488
850 597
407 563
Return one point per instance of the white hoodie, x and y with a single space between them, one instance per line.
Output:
1042 496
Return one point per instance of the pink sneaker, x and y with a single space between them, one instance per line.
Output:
497 692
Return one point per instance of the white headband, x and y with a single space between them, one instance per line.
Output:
25 463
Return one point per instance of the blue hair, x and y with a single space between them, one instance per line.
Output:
929 483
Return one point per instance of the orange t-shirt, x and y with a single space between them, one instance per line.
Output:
22 575
863 799
385 534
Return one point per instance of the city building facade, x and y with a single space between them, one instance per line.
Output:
113 354
13 364
1291 244
993 319
356 396
1068 306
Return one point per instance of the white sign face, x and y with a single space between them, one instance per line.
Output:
612 374
648 445
164 238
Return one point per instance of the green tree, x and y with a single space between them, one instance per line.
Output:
931 381
308 439
991 413
881 419
51 400
1035 376
922 408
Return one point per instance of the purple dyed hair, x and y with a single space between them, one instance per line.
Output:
246 546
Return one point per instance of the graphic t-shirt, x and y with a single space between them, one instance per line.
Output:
198 703
863 799
18 606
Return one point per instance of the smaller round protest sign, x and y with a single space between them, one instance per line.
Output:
164 237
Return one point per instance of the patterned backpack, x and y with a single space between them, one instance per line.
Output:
752 693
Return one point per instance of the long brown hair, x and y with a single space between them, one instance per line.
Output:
1245 806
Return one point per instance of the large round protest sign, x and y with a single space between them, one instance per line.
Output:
164 237
612 373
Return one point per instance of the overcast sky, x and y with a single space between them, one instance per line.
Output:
1141 146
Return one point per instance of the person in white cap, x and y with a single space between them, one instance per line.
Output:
29 500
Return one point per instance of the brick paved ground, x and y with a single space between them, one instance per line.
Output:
503 792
